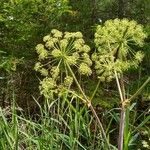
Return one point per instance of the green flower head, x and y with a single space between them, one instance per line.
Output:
55 72
56 33
58 51
43 53
37 66
113 41
68 81
85 69
62 49
46 86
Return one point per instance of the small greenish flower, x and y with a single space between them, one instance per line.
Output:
43 72
78 35
55 72
55 40
94 56
56 33
37 66
47 85
56 53
86 48
43 53
80 41
72 60
76 55
84 69
49 44
39 47
63 43
68 35
78 46
46 38
87 59
68 81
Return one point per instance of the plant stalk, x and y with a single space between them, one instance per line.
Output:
121 90
88 102
121 128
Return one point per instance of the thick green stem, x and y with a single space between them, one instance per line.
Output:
88 102
121 90
121 128
123 110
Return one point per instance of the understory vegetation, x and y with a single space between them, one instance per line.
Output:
74 75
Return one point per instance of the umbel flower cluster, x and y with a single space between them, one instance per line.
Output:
61 52
114 41
58 51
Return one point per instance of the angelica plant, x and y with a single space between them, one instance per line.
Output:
58 51
114 41
60 55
